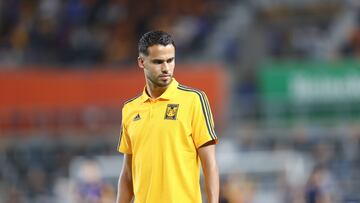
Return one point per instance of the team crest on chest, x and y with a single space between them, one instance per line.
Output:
171 111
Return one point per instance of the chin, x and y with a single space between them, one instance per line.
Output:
164 83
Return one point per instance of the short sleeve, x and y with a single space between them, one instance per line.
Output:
202 122
124 145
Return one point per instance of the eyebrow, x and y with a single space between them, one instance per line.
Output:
159 61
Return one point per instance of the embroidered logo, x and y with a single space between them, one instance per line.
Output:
137 117
171 111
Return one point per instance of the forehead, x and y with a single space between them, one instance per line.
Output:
161 51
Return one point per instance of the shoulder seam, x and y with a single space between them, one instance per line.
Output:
132 99
189 88
205 108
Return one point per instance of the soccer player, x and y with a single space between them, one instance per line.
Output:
167 131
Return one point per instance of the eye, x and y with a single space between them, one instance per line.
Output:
158 61
170 60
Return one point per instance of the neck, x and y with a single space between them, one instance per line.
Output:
153 90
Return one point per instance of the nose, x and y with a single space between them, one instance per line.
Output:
165 67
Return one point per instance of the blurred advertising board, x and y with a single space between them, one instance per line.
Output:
311 86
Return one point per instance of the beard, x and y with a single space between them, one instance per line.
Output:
158 82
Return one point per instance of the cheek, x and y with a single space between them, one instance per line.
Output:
172 67
152 69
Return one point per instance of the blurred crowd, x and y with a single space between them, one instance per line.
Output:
332 176
87 32
34 171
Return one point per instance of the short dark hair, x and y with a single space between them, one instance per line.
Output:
153 38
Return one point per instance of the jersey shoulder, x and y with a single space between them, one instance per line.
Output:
190 91
132 102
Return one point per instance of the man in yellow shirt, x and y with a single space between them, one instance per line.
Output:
167 133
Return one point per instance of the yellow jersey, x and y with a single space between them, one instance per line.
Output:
163 136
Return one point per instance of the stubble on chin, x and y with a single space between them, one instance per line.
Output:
163 84
166 83
160 83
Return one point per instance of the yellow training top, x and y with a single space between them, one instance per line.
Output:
163 136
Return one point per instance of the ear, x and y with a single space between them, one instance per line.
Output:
141 62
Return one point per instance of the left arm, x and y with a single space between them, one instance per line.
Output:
210 171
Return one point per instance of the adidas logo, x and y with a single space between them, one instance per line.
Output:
137 117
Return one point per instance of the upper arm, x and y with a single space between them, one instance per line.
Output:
211 172
125 190
207 155
127 166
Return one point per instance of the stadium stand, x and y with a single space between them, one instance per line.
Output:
272 147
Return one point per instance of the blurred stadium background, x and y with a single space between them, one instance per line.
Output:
282 76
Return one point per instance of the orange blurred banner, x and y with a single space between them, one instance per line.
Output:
25 91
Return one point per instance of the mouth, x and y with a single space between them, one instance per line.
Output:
165 76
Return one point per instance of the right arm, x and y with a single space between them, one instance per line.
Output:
125 185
